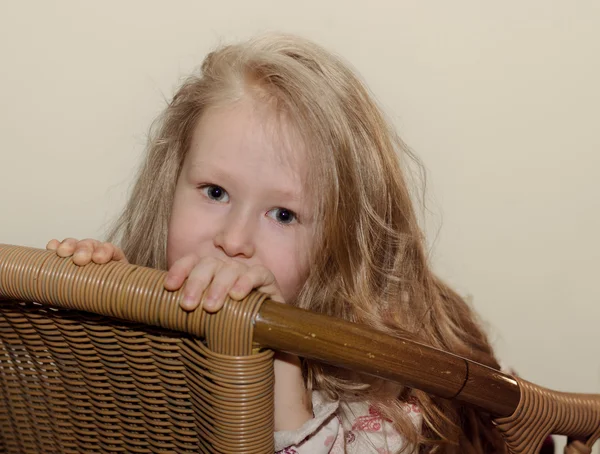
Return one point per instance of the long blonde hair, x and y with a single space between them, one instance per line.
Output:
371 266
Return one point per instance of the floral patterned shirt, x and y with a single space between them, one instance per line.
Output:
345 428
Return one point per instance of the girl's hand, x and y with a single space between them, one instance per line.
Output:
211 280
86 251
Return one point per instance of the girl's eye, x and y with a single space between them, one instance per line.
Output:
216 193
283 215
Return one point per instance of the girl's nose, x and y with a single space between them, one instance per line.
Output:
236 237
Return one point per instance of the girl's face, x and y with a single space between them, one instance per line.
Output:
240 196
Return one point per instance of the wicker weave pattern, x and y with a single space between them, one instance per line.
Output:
127 292
76 382
542 412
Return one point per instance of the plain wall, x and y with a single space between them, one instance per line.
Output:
499 99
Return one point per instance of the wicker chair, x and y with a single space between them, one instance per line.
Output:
101 359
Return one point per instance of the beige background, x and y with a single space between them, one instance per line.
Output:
500 100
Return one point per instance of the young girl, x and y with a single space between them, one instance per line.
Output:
274 169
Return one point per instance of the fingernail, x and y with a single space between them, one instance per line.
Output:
209 302
235 292
188 302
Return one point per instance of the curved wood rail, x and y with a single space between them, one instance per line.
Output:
363 349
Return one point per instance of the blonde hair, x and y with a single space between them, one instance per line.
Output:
371 267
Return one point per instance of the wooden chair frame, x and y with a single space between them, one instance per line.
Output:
102 359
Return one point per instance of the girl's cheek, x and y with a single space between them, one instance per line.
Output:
189 232
290 272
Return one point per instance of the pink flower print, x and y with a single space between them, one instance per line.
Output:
369 423
350 437
412 405
329 440
287 451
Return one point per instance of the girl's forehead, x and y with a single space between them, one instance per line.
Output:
249 133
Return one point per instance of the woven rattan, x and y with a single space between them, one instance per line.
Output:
74 381
549 412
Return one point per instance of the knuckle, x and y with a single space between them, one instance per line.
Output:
209 261
189 261
81 246
88 244
179 263
101 248
241 267
263 272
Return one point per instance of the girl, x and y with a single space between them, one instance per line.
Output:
273 169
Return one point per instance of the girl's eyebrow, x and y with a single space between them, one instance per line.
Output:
284 194
221 175
205 169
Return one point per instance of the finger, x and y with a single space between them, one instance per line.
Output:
84 250
180 271
198 281
106 252
259 278
66 247
119 255
221 284
52 245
